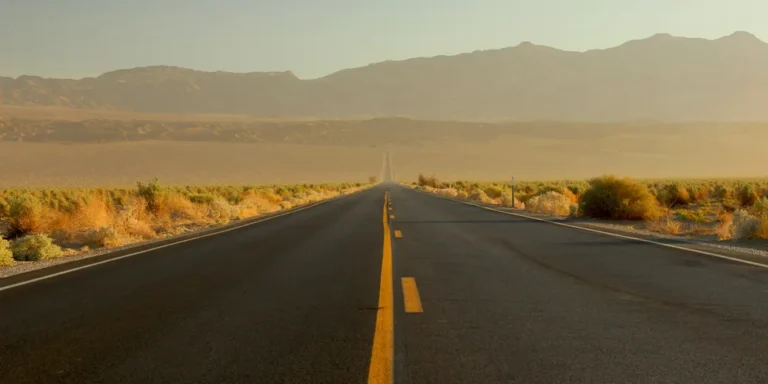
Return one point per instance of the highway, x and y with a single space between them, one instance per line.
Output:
429 291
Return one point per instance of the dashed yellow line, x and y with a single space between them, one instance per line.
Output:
411 295
392 217
398 234
380 370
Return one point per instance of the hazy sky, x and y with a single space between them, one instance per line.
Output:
76 38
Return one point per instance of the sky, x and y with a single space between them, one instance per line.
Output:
313 38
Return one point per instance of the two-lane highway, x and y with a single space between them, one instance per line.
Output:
429 291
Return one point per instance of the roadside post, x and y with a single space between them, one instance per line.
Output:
513 192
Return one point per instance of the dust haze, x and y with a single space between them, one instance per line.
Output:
663 106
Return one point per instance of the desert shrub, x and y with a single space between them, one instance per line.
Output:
452 192
748 195
551 203
201 198
373 179
494 191
609 197
506 201
428 181
25 215
104 237
35 247
221 211
674 195
745 226
6 256
723 192
480 195
150 192
666 225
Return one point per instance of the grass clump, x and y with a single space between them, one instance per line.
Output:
35 247
610 197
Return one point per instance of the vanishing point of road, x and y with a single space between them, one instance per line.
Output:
392 285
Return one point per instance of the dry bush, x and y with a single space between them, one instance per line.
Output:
428 181
104 237
221 212
621 199
506 201
674 195
462 194
134 221
494 192
451 192
551 203
35 247
745 226
748 196
665 225
26 214
6 256
567 192
724 225
480 196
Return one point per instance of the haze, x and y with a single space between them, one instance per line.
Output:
73 39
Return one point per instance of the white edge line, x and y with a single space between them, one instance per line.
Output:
25 282
711 254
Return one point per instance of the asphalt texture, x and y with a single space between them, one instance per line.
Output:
294 300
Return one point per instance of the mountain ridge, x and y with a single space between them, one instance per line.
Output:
661 77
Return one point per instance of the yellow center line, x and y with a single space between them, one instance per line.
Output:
382 354
398 234
411 296
392 217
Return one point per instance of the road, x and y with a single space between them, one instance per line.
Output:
491 298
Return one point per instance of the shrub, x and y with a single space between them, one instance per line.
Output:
35 247
748 195
609 197
674 195
494 192
666 225
479 195
506 201
25 215
551 203
201 198
105 237
373 179
6 256
150 192
745 226
428 181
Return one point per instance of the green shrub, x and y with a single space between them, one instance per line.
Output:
150 192
609 197
35 247
202 198
6 256
494 192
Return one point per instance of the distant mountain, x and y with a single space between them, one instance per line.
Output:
662 77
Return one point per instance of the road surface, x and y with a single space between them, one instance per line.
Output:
490 298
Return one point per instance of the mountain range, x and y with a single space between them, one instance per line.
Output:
662 77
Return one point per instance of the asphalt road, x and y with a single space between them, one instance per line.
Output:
501 299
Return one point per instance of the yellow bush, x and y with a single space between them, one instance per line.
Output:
6 256
621 199
551 203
